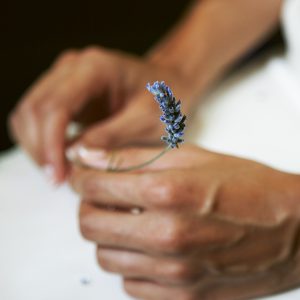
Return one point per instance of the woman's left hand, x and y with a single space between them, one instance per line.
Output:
210 226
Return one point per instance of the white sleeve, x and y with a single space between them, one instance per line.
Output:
291 27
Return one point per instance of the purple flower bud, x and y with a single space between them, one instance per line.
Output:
171 116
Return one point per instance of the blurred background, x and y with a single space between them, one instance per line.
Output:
34 32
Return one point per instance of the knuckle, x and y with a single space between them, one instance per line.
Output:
164 194
36 109
92 51
32 109
67 56
171 238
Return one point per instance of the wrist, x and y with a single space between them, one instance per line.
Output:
187 89
291 192
296 193
184 68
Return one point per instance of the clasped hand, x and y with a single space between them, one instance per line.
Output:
212 226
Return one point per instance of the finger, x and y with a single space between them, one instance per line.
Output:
55 119
120 159
161 158
155 233
61 106
143 289
23 123
25 119
18 129
115 229
53 141
125 128
164 190
123 190
141 266
62 93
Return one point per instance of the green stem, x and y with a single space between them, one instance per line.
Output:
136 167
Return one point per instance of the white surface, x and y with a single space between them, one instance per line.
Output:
42 256
291 22
255 114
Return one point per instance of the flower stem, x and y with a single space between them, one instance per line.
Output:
136 167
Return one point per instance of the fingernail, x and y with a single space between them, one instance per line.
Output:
50 174
72 154
92 157
85 152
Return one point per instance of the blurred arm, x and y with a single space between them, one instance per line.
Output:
214 35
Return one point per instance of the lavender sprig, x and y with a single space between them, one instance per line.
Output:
171 116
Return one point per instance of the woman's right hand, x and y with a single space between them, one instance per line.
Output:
103 87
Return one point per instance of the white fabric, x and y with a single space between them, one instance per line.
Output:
255 114
291 20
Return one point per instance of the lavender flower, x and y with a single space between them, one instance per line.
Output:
171 116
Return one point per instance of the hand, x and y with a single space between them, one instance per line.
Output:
101 88
212 226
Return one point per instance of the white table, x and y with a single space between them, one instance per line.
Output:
42 256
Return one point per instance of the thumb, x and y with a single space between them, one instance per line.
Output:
134 124
125 159
135 158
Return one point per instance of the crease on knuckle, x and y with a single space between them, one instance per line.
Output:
164 194
171 238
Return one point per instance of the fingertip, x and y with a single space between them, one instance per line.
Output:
60 176
54 144
49 172
71 153
55 165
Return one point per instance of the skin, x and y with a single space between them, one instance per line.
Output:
114 83
212 226
105 89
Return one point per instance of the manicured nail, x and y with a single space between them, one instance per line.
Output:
93 157
50 174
